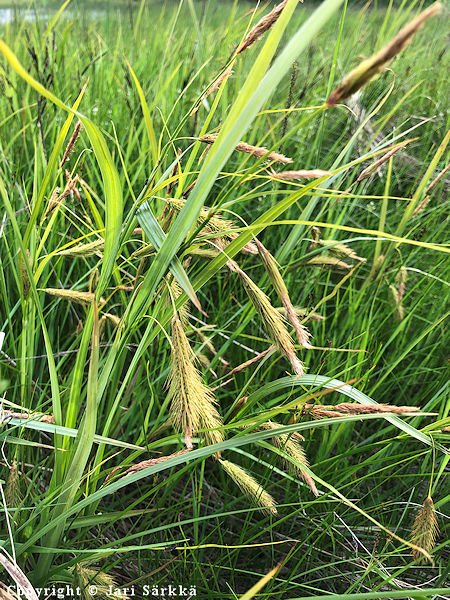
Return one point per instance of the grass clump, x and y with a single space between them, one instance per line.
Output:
178 223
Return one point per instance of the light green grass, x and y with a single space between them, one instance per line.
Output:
372 473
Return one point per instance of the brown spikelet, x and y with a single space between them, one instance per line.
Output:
419 208
213 87
373 168
261 27
437 179
153 461
84 250
12 489
348 408
84 298
370 67
23 274
280 287
57 198
8 414
71 144
53 202
327 261
292 447
258 151
272 320
192 403
302 174
425 529
250 487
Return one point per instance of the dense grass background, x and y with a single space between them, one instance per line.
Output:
175 51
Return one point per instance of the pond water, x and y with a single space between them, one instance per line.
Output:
8 14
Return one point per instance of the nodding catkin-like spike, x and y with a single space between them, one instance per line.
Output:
23 274
192 403
250 487
272 320
401 279
327 261
396 304
84 298
84 250
341 250
213 87
292 447
153 461
348 408
373 168
425 529
370 67
71 144
302 174
258 151
261 27
280 287
12 489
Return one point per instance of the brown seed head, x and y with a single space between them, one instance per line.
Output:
370 67
258 151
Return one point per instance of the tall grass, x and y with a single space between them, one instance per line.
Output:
162 423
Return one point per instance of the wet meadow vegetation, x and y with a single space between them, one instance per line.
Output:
223 298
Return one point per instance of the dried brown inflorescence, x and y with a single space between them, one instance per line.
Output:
301 174
261 27
329 262
348 408
213 87
153 461
24 278
57 197
71 144
370 67
258 151
373 168
9 414
340 250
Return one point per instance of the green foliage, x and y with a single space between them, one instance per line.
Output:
137 77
